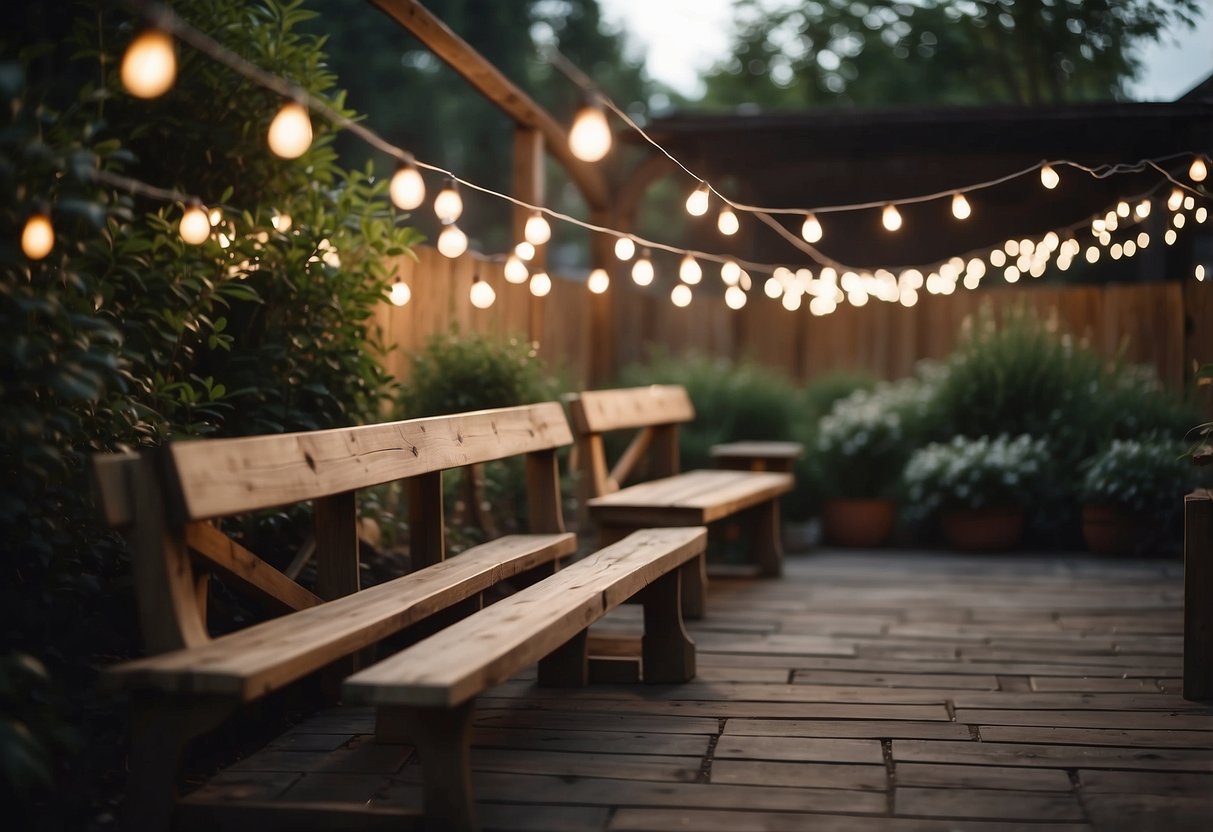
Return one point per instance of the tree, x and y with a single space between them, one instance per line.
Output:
880 52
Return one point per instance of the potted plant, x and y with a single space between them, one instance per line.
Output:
1131 493
979 487
860 449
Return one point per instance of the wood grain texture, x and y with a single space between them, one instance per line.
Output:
599 411
219 477
694 497
465 659
237 563
266 656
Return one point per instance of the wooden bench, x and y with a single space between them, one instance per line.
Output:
425 693
166 499
668 498
757 456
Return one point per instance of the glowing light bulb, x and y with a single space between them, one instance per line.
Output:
448 205
1202 214
400 293
697 202
481 294
689 271
1011 274
537 231
1143 209
590 135
811 230
1200 272
1178 220
1122 209
599 281
1130 248
515 270
960 207
1143 240
149 66
642 270
772 288
730 273
407 188
1199 170
890 218
908 297
195 226
541 284
1116 251
1189 203
726 222
1175 200
998 258
37 236
680 295
1049 177
524 251
452 242
734 297
291 131
1170 237
625 248
791 301
1092 254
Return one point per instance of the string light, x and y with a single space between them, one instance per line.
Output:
689 271
642 269
730 273
1122 209
448 205
1198 171
481 294
811 229
1170 237
195 225
960 207
515 270
791 301
407 188
1200 272
726 222
680 295
625 248
540 284
452 242
1142 210
1202 214
890 217
734 297
290 132
38 236
697 202
772 288
1189 203
1175 200
590 135
400 293
149 66
1049 177
524 251
599 281
537 231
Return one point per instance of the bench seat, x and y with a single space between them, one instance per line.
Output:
425 692
267 656
691 498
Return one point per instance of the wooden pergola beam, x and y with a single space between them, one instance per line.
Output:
501 91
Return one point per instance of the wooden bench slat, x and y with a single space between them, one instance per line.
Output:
238 563
266 656
470 656
222 477
599 411
708 495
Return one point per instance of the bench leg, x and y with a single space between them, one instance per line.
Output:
161 728
695 588
668 653
443 738
568 666
765 543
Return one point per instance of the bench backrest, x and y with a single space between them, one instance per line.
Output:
654 412
164 498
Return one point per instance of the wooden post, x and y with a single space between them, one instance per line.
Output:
529 187
337 546
1198 595
427 535
669 654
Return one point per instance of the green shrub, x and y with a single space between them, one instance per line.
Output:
1147 478
977 473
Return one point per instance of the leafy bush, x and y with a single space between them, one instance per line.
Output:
1148 478
976 473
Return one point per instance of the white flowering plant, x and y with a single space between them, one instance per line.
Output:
1147 477
980 472
862 444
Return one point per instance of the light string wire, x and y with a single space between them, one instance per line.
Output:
164 18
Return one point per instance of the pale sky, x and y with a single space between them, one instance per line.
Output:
683 37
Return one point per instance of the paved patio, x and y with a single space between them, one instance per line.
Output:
862 691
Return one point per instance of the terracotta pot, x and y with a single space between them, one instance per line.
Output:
994 529
860 523
1111 530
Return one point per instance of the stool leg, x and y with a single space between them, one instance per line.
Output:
568 666
443 738
765 542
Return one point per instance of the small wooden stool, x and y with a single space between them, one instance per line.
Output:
757 456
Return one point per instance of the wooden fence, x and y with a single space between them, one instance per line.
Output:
1168 325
